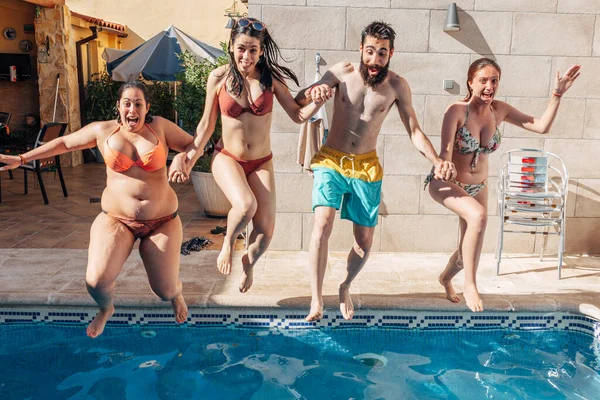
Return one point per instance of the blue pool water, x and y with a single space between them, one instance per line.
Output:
40 361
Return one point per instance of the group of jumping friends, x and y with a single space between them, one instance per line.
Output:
139 203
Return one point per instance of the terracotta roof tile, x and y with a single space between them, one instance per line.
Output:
99 21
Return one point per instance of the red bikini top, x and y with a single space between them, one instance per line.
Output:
231 108
153 160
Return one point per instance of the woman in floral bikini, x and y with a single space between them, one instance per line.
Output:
469 133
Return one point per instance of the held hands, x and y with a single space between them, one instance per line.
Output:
179 170
563 84
444 170
11 162
319 93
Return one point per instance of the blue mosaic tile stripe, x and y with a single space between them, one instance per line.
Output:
287 319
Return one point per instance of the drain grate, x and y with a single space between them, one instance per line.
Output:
372 360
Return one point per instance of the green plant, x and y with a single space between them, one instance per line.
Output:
101 98
191 97
162 97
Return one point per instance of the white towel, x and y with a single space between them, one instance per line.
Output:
313 134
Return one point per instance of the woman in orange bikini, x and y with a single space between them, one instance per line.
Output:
242 165
469 133
137 203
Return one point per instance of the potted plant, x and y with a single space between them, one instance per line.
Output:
191 96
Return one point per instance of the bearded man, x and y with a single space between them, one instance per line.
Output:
347 172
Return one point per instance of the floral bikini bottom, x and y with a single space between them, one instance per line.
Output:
472 189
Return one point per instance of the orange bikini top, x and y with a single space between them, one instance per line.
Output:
231 108
153 160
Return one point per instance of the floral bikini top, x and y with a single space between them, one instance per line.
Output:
465 143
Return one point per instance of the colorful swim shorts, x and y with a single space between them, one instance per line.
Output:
349 181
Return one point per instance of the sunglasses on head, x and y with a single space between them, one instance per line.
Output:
256 25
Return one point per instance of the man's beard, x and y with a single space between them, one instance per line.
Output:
373 81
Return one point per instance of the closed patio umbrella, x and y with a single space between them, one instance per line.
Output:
156 59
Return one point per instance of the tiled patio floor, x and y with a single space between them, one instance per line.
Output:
25 222
43 259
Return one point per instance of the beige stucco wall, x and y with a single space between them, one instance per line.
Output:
14 14
530 39
91 52
203 19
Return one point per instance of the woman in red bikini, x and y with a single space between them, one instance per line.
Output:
469 134
242 165
137 203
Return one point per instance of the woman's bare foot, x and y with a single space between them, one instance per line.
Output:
446 276
316 311
96 327
180 309
247 274
224 259
346 306
472 298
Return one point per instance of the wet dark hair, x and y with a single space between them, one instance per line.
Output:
267 66
474 68
379 30
135 85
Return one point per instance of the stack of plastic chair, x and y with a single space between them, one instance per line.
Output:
532 197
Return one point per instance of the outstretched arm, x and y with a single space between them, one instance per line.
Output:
177 138
182 163
85 138
297 113
543 124
443 169
449 128
207 124
320 91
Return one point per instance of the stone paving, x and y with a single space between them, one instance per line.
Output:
43 259
389 280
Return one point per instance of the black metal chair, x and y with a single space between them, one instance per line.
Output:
5 118
48 132
4 121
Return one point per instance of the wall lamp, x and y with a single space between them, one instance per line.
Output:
452 23
233 12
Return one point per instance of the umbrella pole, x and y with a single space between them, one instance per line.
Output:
175 98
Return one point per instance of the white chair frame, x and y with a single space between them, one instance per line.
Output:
526 188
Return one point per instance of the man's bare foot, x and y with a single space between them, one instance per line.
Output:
346 306
180 309
445 279
247 274
224 259
96 327
316 311
472 298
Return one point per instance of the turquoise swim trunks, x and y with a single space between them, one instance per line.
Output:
349 181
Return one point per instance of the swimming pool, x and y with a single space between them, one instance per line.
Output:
147 361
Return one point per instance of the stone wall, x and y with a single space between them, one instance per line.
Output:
54 25
531 41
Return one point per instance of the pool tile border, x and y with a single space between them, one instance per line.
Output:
292 319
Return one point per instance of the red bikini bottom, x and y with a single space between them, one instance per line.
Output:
249 166
142 228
